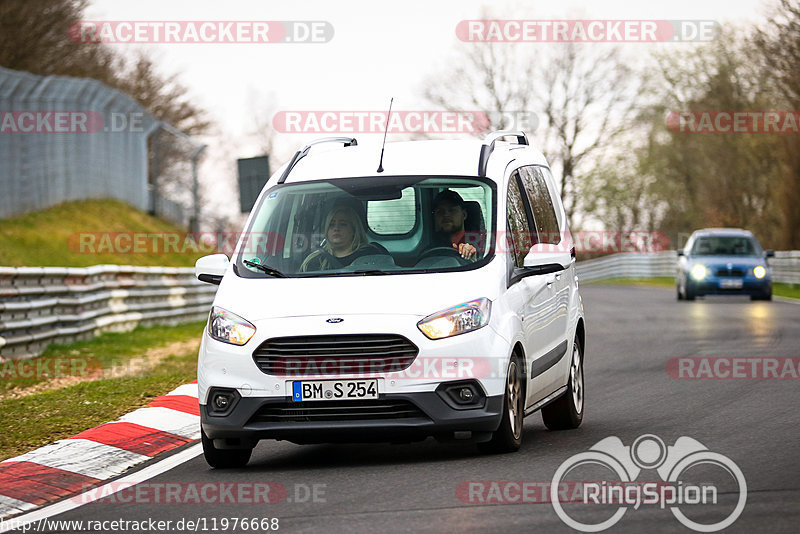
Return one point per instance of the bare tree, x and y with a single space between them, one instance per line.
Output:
584 95
779 44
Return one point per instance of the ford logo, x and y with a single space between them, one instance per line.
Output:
334 320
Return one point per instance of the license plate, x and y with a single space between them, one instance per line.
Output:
323 390
730 283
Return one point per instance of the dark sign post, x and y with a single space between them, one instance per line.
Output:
253 174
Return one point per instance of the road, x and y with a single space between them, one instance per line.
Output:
632 333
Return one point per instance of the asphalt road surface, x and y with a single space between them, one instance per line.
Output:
632 333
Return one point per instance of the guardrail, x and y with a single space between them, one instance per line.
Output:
785 266
43 305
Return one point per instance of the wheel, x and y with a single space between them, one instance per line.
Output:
766 295
443 251
223 458
334 261
508 437
567 411
688 293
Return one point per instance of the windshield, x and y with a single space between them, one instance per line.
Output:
370 226
725 246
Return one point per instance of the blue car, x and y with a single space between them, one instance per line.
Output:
723 261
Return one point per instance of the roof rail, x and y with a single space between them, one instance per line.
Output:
488 146
300 154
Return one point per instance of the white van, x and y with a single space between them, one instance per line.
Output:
430 293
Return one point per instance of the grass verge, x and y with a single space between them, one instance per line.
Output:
778 289
122 371
71 235
660 281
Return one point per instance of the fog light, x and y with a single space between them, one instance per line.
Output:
221 402
759 272
465 394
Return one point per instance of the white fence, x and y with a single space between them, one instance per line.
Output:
785 266
43 305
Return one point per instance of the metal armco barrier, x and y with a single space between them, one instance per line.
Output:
43 305
785 266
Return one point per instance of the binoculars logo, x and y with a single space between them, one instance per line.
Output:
648 452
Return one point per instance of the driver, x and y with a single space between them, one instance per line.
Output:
449 214
345 239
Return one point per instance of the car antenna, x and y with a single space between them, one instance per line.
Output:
389 116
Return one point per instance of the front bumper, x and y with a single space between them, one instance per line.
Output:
713 286
425 414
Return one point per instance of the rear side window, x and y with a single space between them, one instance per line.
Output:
544 213
518 227
393 217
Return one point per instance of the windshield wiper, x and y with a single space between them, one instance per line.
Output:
264 269
361 272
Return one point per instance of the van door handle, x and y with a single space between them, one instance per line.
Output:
550 279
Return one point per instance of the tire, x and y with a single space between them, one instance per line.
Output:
508 437
688 293
767 295
223 458
567 411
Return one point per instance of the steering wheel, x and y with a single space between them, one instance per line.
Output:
443 251
332 260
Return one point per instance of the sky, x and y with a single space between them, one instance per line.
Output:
379 50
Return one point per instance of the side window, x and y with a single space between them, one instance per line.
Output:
393 217
544 213
518 228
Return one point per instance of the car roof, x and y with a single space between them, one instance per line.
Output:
429 157
723 231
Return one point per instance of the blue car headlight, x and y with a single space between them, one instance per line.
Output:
699 271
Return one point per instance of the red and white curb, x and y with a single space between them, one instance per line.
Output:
72 465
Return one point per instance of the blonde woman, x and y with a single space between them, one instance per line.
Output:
345 240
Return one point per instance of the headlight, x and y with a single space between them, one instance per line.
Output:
229 328
699 271
457 320
759 272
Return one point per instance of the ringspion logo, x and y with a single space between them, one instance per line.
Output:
675 466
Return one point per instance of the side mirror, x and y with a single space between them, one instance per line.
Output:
546 258
769 253
211 268
680 252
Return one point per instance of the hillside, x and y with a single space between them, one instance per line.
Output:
92 232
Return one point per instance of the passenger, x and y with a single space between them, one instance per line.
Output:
449 214
345 240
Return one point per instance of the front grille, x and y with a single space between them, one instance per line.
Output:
334 355
363 410
730 272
